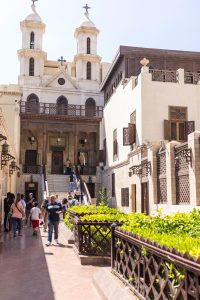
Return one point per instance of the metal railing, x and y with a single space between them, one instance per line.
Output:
41 108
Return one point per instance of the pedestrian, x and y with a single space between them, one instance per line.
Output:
54 209
7 206
29 205
35 218
44 214
24 208
71 182
77 194
17 215
64 206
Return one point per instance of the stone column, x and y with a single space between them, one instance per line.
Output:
194 167
152 178
76 134
170 173
44 149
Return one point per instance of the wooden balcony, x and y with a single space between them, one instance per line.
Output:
163 75
40 109
37 169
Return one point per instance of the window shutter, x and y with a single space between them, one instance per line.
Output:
190 127
167 130
131 133
126 136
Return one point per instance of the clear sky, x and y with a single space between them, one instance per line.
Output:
171 24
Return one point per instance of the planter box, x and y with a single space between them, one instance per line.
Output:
153 271
93 238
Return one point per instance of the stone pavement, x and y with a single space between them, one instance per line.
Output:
29 270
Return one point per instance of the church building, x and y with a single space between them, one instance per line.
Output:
61 106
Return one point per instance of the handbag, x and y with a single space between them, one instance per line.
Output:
9 215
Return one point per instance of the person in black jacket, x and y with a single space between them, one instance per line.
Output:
8 201
54 209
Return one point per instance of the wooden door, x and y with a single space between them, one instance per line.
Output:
57 162
133 198
31 158
145 198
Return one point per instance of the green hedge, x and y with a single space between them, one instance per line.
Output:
180 231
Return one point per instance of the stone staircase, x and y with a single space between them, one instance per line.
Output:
58 184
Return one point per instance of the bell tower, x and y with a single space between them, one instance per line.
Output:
31 56
87 61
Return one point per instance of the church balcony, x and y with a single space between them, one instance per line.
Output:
55 111
26 169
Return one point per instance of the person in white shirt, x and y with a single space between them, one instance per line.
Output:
35 217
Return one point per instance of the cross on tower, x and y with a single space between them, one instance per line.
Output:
61 60
86 8
34 1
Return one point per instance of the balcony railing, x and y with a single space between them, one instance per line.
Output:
192 78
163 75
32 169
64 110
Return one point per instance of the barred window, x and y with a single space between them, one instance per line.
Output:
88 45
31 66
125 197
32 40
89 71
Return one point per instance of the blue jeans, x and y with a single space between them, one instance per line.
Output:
17 223
52 225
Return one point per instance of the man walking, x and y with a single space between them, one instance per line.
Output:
54 209
7 205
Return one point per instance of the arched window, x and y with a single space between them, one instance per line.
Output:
32 104
89 70
88 46
31 66
62 106
90 107
32 40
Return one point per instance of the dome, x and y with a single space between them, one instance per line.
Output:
34 16
87 22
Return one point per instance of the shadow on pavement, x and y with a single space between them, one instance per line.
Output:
23 269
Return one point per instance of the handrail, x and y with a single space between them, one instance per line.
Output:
86 191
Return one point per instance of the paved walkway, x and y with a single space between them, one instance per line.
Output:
29 270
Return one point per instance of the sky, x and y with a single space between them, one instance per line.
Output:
171 24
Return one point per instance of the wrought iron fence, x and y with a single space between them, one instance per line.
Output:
54 109
152 271
163 75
